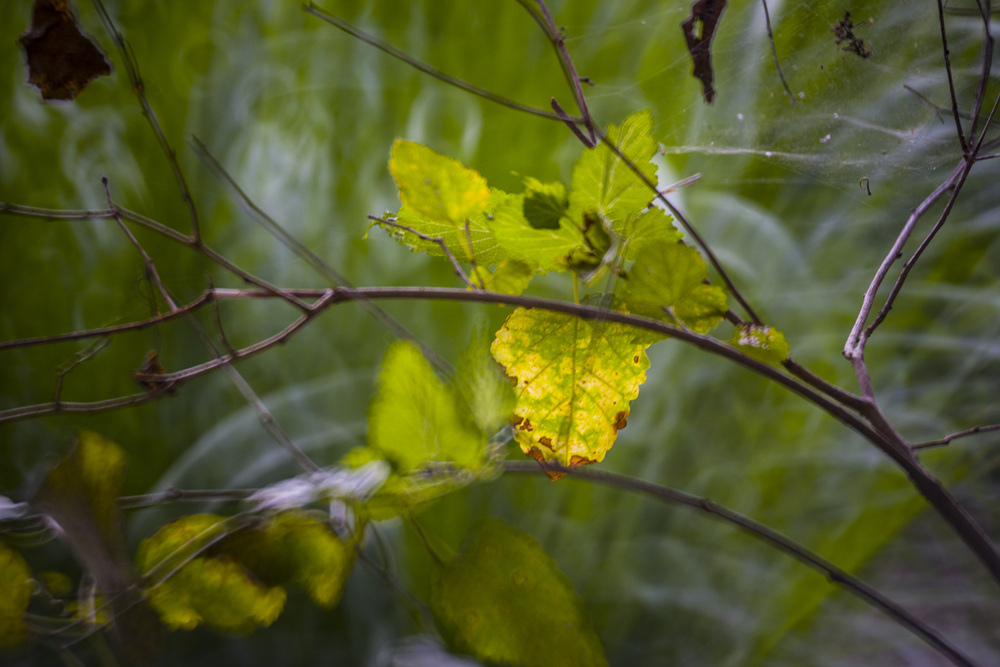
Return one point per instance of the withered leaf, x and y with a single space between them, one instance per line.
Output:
61 59
708 13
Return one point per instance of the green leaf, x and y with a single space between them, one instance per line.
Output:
761 342
545 249
651 226
503 599
602 183
219 592
511 276
667 282
15 594
415 418
544 203
485 391
474 242
574 382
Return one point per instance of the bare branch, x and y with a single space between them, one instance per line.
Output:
767 535
948 439
951 82
774 52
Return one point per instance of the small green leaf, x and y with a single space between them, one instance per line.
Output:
650 226
604 184
544 203
667 282
503 599
545 249
761 342
574 382
15 594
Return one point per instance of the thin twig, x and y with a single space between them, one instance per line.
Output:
774 52
83 355
151 272
955 436
569 70
855 344
132 69
439 241
984 75
688 227
767 535
951 82
316 262
424 67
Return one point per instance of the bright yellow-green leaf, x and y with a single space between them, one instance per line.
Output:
761 342
15 594
574 383
436 186
667 282
485 391
178 539
503 599
442 199
415 418
602 183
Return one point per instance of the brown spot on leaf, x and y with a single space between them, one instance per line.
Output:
708 13
554 473
635 359
620 420
524 425
578 460
545 441
61 59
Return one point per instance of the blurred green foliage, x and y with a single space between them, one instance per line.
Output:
304 117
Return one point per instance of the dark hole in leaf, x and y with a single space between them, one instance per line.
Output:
61 59
708 13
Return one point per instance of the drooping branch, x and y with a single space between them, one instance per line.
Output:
766 534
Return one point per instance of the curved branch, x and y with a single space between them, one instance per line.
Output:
769 536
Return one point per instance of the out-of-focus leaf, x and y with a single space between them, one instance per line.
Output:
15 594
219 592
485 391
503 599
761 342
61 59
667 282
574 383
80 494
295 548
415 417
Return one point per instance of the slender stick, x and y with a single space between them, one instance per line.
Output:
774 52
955 436
132 69
951 82
688 227
767 535
424 67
